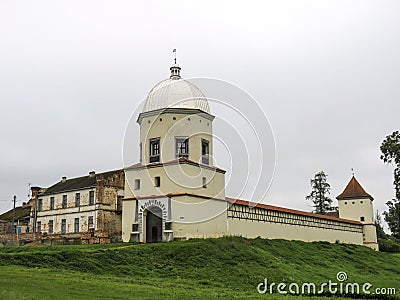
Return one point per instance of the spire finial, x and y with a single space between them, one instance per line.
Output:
175 69
352 171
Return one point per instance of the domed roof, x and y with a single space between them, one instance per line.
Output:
176 92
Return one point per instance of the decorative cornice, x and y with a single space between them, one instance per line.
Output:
172 110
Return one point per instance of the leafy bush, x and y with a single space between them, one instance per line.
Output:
389 245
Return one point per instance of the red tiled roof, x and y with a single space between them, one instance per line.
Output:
333 214
259 205
288 210
354 190
172 162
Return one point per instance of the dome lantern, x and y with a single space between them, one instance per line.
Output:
175 71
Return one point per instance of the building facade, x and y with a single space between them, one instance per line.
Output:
175 191
73 207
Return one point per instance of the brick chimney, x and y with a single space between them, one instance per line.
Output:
35 190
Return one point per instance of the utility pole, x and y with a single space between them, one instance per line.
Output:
35 215
13 219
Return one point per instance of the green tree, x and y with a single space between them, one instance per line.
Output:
392 217
320 190
390 149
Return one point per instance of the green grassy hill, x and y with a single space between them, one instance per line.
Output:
228 268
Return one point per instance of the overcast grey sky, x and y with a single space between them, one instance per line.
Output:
325 72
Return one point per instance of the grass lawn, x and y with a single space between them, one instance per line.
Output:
226 268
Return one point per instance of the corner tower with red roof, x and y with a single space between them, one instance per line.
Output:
356 204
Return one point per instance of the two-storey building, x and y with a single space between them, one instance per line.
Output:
73 207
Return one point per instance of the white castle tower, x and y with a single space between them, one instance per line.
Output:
176 157
356 204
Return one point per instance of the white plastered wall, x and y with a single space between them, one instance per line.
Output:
163 126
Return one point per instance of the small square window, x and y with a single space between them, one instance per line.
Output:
137 184
168 225
362 219
157 181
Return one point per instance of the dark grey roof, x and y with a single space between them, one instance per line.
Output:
21 212
78 183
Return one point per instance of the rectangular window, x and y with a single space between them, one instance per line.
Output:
204 182
64 201
63 226
140 152
362 219
154 150
40 205
205 152
119 203
51 226
51 203
91 197
77 199
181 147
168 225
39 226
90 222
76 225
137 184
157 181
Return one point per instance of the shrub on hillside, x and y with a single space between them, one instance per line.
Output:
389 244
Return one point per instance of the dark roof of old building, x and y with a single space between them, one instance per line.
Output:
354 190
78 183
21 212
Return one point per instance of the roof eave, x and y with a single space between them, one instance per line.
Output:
187 111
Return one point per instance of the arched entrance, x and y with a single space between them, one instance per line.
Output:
153 225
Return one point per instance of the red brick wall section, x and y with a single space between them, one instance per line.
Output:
109 221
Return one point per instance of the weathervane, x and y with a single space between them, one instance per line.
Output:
174 51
